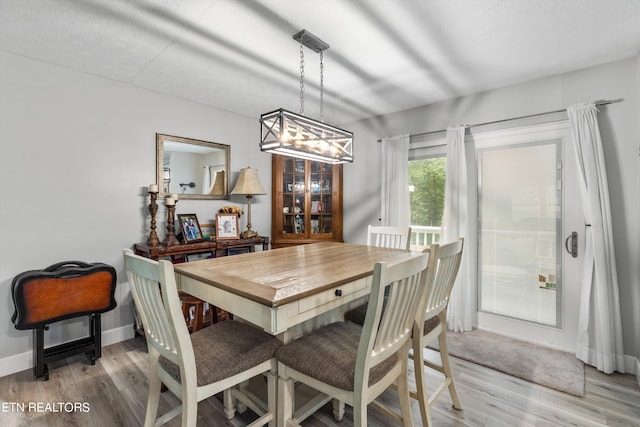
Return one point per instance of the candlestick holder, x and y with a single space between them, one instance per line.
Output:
171 239
153 210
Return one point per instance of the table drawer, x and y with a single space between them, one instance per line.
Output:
333 295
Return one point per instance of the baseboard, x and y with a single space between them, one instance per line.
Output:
20 362
632 366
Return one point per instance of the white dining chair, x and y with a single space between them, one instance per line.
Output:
354 364
382 236
389 237
194 367
444 263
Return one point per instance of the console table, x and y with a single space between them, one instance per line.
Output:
217 247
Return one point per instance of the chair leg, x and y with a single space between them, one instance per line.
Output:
229 404
189 404
240 406
272 392
189 414
403 393
338 410
446 367
286 392
359 411
421 384
154 396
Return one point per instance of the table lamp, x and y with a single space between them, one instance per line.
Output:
248 184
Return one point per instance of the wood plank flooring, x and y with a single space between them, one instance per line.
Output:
114 393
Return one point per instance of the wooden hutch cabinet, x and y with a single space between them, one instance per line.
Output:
307 202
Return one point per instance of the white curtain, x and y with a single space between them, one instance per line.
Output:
395 208
599 322
206 180
455 224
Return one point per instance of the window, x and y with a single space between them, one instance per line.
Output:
426 186
427 173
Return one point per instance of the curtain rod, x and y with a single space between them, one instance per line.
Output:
598 102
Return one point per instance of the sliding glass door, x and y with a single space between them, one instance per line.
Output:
519 208
527 204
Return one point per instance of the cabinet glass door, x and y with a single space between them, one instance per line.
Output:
307 201
293 195
321 189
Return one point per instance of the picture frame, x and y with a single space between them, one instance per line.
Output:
208 231
191 231
227 226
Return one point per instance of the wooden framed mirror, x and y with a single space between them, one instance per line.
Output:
192 168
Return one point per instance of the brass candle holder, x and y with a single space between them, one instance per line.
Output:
153 210
171 239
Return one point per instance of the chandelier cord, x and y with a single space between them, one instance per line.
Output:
291 134
301 79
321 86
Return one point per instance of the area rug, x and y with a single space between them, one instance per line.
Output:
551 368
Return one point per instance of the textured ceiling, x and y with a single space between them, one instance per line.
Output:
385 55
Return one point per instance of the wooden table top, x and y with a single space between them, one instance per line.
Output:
279 276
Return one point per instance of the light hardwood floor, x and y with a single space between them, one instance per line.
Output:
114 392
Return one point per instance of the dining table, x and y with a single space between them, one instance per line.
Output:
288 291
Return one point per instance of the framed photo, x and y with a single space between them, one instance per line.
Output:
190 228
227 226
316 206
208 231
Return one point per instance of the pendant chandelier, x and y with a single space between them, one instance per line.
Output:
290 134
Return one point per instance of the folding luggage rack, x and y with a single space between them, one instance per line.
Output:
63 291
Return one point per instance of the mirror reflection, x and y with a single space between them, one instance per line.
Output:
192 168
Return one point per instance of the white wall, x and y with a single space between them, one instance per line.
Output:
619 125
77 153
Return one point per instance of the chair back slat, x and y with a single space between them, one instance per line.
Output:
442 272
155 295
397 318
151 301
386 331
389 237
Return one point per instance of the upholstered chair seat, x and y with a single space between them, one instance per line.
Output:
431 323
329 355
225 349
357 316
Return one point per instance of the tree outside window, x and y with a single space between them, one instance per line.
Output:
427 180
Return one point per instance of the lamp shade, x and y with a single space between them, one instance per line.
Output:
248 183
218 184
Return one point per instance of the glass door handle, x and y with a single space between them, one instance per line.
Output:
573 250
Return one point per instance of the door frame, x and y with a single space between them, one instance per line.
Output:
563 337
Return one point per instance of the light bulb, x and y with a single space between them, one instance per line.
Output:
284 132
